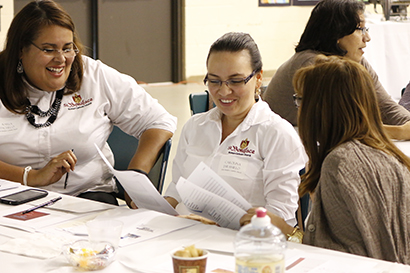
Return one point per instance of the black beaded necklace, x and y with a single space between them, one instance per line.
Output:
51 113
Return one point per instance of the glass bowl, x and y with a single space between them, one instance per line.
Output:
89 256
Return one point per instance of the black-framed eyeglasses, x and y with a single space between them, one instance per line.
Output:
363 29
214 84
68 52
297 100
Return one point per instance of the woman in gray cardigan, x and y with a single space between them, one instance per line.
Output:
358 179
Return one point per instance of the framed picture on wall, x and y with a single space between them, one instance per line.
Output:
263 3
305 2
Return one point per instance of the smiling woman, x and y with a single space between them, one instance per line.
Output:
254 150
335 27
49 68
54 100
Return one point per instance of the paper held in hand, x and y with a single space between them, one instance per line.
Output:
140 189
206 194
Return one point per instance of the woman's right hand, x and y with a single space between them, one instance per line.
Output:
53 171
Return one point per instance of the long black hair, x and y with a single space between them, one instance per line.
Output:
329 21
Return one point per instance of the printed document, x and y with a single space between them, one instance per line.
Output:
206 194
140 189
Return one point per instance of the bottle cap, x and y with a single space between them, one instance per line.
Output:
260 219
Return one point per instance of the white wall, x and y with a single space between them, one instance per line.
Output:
7 13
276 29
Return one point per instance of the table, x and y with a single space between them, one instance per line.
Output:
153 255
388 52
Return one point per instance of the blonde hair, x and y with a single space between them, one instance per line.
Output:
339 104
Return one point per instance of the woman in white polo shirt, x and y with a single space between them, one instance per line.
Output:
55 101
242 131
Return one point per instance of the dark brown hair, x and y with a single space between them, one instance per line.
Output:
23 30
238 41
329 21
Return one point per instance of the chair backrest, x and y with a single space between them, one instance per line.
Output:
124 147
199 102
305 205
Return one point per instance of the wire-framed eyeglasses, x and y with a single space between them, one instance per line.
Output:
214 84
297 100
69 52
363 29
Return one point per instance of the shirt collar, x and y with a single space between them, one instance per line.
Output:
257 114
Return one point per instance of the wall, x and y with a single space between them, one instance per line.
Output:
276 30
7 13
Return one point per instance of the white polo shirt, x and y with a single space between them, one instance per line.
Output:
106 98
261 159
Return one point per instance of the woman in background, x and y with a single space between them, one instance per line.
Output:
335 27
54 101
242 130
359 180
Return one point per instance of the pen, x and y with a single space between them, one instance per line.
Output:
66 178
52 201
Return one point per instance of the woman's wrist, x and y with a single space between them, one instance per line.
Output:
140 171
296 235
25 175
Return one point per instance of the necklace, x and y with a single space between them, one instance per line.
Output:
51 113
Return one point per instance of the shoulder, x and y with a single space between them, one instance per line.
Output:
203 119
263 116
356 159
346 154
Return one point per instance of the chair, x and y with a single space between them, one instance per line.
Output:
199 102
304 207
124 147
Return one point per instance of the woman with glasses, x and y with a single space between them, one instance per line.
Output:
57 103
242 132
359 179
335 27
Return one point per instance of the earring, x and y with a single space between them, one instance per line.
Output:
20 68
257 93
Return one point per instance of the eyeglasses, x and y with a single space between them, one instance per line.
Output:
68 52
214 84
363 29
297 100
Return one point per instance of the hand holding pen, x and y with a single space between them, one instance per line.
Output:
52 201
66 177
55 170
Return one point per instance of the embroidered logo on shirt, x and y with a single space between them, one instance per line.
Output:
78 102
76 98
242 149
244 143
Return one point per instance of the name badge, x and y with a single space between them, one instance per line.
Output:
7 126
232 166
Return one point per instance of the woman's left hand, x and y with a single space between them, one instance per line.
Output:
275 220
198 218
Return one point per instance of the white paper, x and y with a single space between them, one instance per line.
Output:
72 205
204 177
140 189
7 185
209 205
35 224
139 225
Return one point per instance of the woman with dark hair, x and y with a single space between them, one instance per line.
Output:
359 180
335 27
242 132
54 101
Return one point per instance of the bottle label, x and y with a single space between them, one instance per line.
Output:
259 266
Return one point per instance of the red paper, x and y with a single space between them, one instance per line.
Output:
26 216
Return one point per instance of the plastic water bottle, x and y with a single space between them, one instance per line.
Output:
260 246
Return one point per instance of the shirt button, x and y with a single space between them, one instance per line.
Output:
311 228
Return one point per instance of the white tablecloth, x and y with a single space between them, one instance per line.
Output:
389 53
153 255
